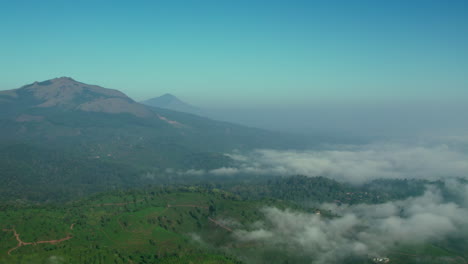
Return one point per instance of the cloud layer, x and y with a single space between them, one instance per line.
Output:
355 164
361 230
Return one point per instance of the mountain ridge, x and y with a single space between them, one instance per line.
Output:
68 94
66 110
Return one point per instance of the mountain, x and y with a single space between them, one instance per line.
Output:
169 101
65 137
63 108
68 94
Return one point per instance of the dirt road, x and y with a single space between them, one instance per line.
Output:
22 243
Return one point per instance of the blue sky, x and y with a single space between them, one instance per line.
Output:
243 53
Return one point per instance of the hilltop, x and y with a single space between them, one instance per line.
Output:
67 94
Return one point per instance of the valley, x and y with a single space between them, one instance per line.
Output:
90 176
233 132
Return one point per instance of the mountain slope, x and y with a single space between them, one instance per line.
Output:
64 108
95 133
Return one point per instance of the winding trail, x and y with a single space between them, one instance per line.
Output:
22 243
55 241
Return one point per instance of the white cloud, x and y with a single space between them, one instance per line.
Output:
360 229
356 164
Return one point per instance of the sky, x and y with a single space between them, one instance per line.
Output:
243 53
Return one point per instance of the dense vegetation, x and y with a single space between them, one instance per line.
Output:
46 174
155 225
312 190
119 227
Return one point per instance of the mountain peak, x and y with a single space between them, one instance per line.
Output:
61 80
66 93
68 81
64 78
168 95
64 89
169 101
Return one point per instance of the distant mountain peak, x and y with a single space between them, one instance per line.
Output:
171 102
169 96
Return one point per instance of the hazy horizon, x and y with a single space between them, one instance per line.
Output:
244 54
347 121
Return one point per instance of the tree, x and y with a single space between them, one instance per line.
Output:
212 210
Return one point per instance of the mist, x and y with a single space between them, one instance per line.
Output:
363 229
356 164
358 121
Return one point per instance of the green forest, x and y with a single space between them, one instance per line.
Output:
170 225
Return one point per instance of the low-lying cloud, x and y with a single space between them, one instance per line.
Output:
355 164
361 230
